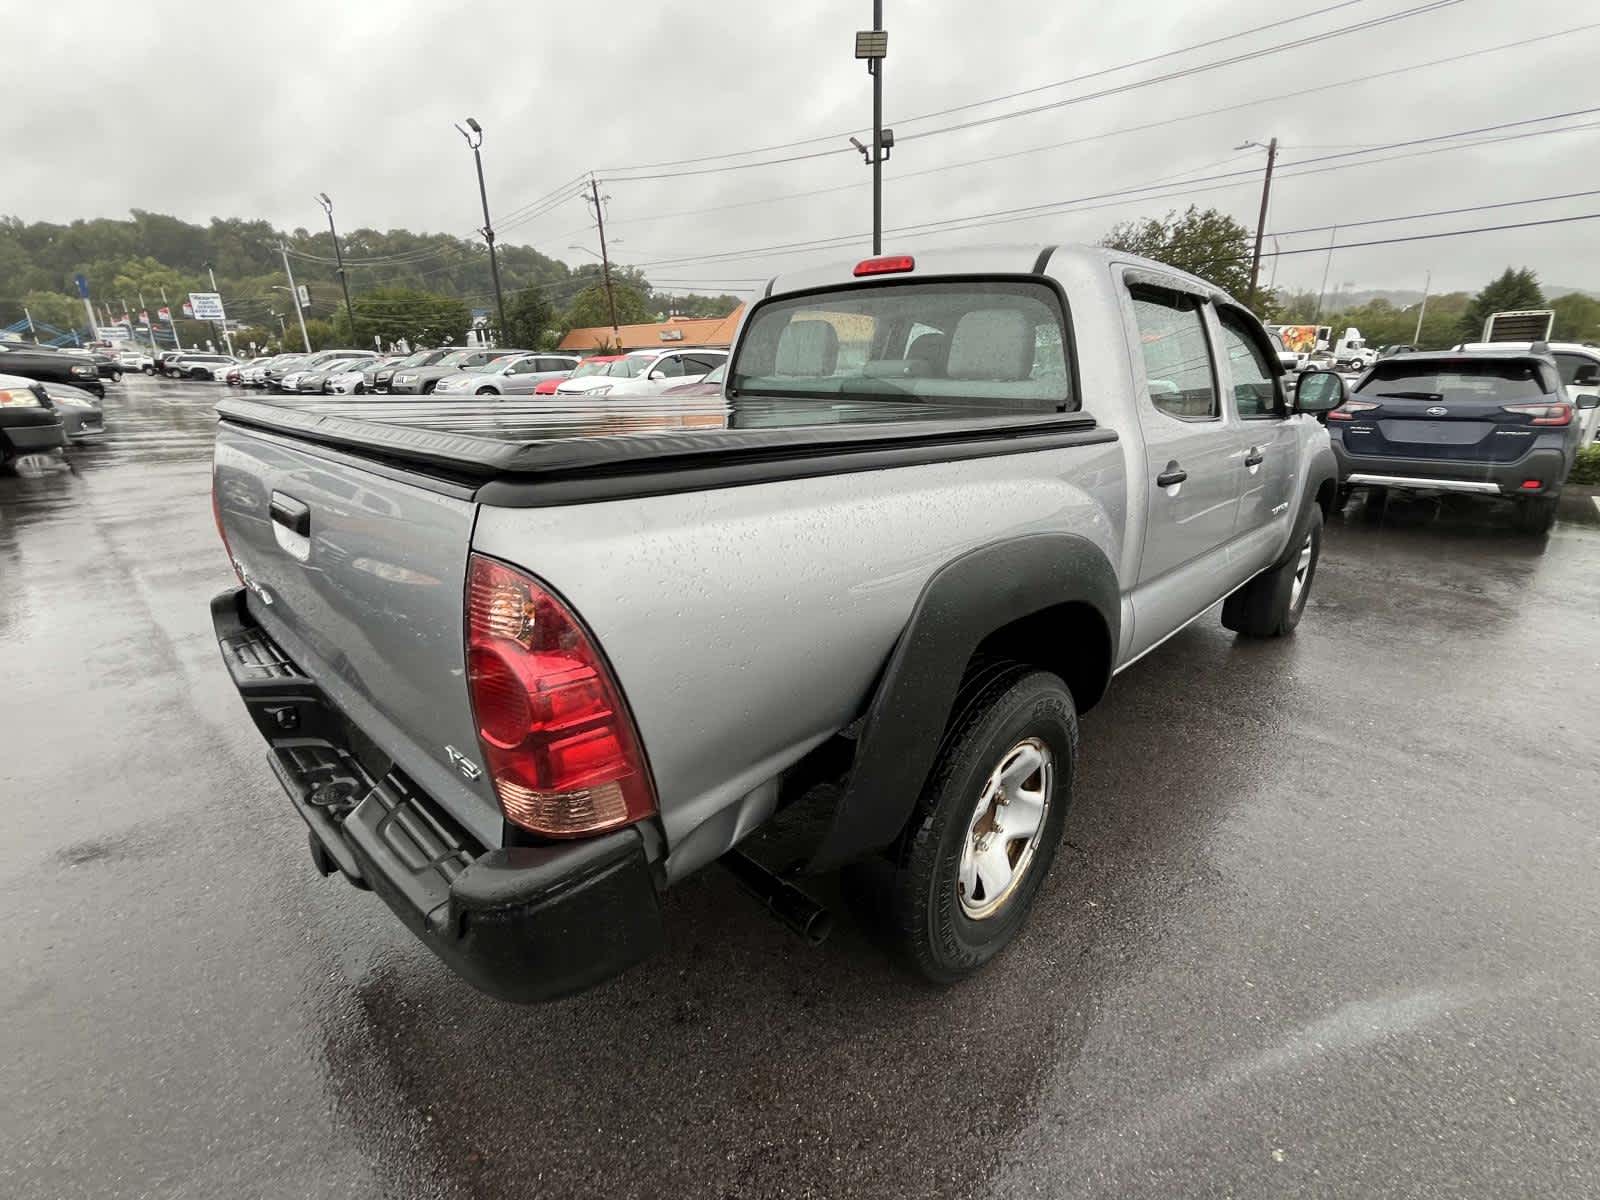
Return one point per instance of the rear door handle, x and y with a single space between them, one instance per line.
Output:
1255 458
292 514
1173 474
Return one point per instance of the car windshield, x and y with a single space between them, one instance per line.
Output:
491 367
1508 381
999 343
592 367
628 368
716 376
455 358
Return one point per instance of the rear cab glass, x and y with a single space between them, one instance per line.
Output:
1500 380
966 342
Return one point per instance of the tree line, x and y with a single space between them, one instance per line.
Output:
417 286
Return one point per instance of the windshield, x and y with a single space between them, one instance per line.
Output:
592 367
1458 380
491 367
414 360
628 368
1000 343
454 358
717 376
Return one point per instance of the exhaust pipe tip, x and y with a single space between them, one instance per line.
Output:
798 911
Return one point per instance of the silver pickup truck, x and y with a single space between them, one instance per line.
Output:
522 665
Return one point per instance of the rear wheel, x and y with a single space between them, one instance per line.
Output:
116 377
1270 604
486 391
148 370
1536 516
960 883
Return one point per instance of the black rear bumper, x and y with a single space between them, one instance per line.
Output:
1546 464
523 923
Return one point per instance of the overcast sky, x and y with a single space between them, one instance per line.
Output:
260 106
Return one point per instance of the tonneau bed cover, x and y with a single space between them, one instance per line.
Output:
485 439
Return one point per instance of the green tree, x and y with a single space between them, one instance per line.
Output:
590 310
1577 318
396 313
1206 243
1514 289
530 318
52 308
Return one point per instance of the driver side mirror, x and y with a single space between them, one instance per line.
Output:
1588 400
1320 392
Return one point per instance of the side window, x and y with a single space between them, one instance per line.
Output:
671 367
556 364
1254 389
1177 356
701 364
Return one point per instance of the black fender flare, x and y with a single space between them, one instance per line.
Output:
1322 469
964 602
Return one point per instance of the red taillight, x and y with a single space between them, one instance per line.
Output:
1348 410
885 266
556 737
1559 413
1531 485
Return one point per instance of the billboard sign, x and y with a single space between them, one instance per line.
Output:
207 306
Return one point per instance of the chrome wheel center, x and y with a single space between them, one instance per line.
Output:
1004 831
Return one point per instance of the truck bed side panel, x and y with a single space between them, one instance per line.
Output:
747 624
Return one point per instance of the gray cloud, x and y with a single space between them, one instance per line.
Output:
257 108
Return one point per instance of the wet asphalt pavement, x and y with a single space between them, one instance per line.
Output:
1325 924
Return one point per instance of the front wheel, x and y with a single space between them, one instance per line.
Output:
961 881
116 377
1270 604
486 391
148 370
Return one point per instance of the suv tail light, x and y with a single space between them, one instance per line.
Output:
1559 413
557 738
1348 410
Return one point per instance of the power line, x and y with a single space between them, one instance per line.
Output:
989 159
1438 212
1081 203
1183 73
835 137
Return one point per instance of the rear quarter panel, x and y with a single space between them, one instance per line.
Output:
748 624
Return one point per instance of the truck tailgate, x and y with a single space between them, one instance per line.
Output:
358 573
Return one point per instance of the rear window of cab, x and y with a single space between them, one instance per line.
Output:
999 343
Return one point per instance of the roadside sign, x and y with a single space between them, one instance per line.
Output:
188 310
165 314
305 296
207 306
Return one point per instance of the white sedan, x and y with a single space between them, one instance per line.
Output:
646 373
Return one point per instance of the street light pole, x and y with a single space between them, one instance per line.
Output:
338 257
605 259
474 140
873 45
294 295
1261 220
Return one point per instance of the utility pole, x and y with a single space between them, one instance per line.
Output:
338 257
474 140
605 260
226 336
1326 267
1261 220
1427 282
294 294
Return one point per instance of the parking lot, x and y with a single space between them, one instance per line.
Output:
1324 924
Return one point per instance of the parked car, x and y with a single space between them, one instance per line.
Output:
595 365
107 365
166 358
1496 423
310 362
1391 351
50 366
82 415
1579 367
512 375
316 379
196 365
136 358
420 381
929 550
29 421
253 374
384 375
708 385
646 373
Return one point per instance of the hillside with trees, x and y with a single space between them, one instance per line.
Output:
417 285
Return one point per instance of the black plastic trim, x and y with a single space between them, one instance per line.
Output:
1043 261
575 488
961 605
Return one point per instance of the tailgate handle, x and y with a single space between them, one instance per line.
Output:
292 514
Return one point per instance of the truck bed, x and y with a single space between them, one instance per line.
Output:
552 438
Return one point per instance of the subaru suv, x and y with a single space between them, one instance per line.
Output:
1490 424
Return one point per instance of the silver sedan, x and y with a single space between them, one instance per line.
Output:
514 375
